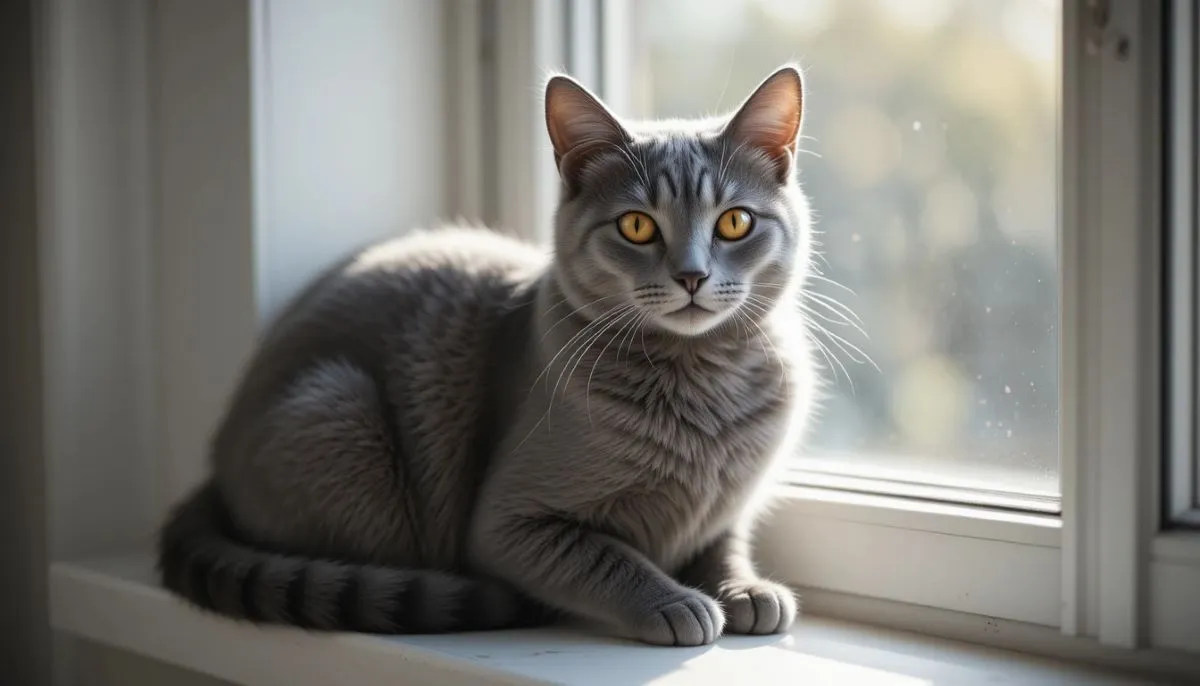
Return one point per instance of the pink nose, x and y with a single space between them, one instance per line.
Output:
691 281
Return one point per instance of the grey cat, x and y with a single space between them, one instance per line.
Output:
453 431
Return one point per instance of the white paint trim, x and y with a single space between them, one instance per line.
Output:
1182 485
1173 605
109 601
1170 666
1174 591
1126 302
528 44
1110 272
582 28
1178 547
924 515
1073 339
85 602
617 46
464 92
936 558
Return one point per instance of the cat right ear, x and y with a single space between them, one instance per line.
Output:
769 120
580 127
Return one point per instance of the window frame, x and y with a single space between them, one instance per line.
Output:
1182 461
614 40
857 524
1096 569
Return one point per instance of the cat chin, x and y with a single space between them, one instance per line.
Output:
690 323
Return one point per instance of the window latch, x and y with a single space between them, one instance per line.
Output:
1097 14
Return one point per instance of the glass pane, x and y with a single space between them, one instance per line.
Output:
930 158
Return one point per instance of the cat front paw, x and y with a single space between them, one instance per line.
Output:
690 619
758 607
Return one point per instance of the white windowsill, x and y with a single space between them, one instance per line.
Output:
114 602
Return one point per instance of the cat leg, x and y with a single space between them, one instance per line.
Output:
596 576
753 605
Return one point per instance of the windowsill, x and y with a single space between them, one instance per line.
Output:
114 602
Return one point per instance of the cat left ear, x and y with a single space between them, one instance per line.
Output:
580 127
769 120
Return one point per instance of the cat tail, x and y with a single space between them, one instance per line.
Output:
200 562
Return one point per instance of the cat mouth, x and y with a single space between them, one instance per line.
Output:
689 309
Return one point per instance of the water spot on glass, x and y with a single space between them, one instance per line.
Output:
1007 389
988 423
917 126
1008 434
987 310
855 237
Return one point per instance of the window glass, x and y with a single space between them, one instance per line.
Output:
930 156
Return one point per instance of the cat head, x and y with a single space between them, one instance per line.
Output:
689 224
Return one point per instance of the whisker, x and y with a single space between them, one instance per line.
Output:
642 335
629 337
831 282
582 332
852 351
601 324
587 389
587 346
832 360
573 312
832 303
581 349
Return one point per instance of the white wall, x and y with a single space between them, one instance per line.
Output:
351 120
200 159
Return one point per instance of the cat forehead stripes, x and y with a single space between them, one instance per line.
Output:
682 171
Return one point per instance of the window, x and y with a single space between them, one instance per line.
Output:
930 156
1070 136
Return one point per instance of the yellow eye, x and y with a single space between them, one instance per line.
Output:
735 224
637 227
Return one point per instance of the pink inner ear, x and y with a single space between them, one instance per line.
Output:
577 120
580 127
770 118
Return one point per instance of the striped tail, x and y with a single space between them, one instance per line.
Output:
199 562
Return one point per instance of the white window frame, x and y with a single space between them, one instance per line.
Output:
1101 578
1102 569
1182 502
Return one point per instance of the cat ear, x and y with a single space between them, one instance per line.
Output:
769 120
580 126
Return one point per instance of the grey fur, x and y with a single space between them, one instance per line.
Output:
452 431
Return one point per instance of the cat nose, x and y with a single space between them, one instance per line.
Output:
691 280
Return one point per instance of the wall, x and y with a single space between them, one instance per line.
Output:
198 161
24 652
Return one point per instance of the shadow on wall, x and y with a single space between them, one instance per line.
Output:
24 615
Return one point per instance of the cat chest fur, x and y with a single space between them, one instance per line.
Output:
678 454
